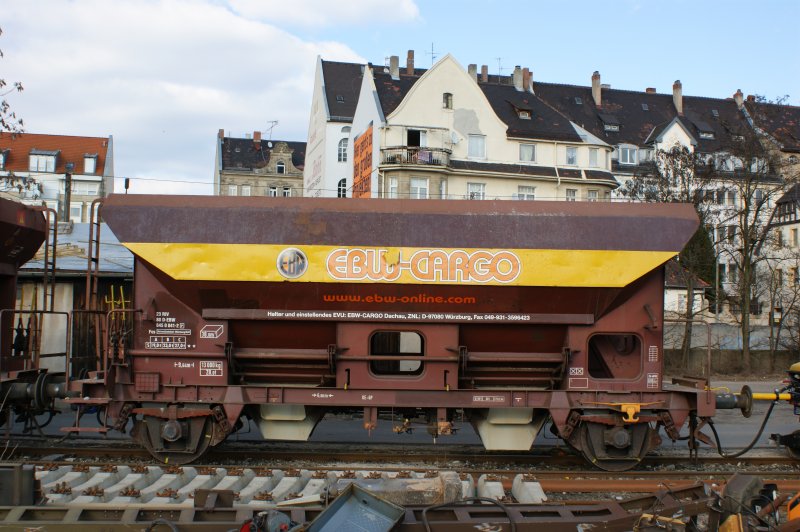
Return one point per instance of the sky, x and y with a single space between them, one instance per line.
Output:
164 76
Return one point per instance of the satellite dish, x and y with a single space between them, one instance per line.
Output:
269 144
454 137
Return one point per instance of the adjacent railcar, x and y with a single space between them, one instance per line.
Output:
23 230
509 313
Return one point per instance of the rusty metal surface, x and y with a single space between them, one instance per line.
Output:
492 224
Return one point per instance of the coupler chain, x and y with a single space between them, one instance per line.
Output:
124 415
669 426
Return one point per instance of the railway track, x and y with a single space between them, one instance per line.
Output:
258 452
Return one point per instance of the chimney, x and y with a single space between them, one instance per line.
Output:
410 63
650 90
517 77
484 73
394 67
597 92
751 98
739 98
677 96
257 140
472 70
221 134
526 79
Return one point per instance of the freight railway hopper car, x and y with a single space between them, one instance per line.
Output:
507 313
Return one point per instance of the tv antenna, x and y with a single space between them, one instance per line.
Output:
271 125
499 66
433 54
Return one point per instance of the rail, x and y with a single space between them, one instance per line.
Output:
416 155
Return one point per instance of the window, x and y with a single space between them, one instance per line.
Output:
396 344
287 192
2 160
339 98
85 188
572 155
476 191
720 197
721 269
524 115
245 190
343 151
645 107
272 192
593 157
707 135
715 113
392 187
779 238
733 273
592 194
76 212
731 233
233 190
794 238
526 193
280 167
341 189
578 100
42 163
89 164
477 146
611 127
732 198
759 195
571 194
627 155
795 277
419 188
778 277
720 233
527 152
447 100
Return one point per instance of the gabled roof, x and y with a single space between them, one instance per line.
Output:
247 154
782 122
17 147
676 276
342 82
545 122
638 114
790 196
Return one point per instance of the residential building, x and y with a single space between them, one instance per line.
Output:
336 90
448 133
676 290
251 166
37 167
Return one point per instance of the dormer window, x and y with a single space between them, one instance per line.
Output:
447 100
578 100
339 98
645 107
90 163
280 167
525 115
42 161
715 113
610 122
708 135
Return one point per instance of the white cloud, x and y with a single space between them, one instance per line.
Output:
319 13
162 77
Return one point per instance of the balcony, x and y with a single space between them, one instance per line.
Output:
415 155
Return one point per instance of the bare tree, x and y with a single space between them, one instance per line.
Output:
8 118
673 177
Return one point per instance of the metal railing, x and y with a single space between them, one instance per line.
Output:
416 155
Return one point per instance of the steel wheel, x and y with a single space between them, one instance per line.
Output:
794 452
174 443
614 448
